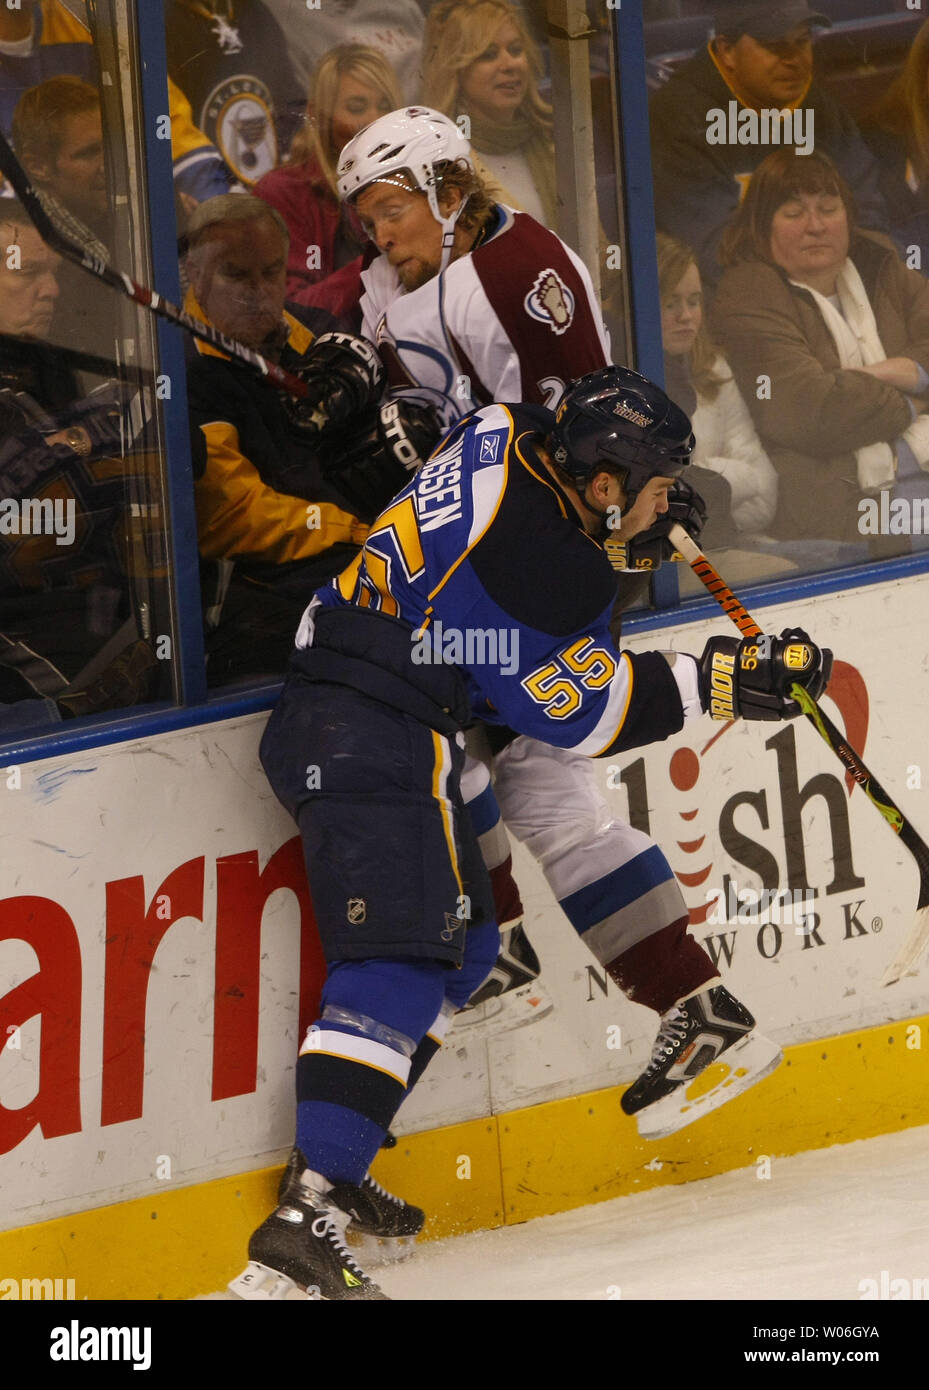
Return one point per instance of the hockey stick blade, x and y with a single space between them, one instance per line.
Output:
918 936
53 230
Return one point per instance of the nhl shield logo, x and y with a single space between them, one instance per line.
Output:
357 911
550 302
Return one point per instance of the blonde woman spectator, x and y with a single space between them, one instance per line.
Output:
479 61
353 86
698 379
897 130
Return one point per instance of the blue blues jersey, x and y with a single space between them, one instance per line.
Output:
484 558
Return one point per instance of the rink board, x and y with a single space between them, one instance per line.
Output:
153 905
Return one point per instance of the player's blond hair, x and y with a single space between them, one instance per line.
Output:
457 33
315 139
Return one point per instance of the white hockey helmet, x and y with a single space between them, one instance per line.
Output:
411 141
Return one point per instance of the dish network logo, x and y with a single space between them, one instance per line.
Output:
746 820
134 930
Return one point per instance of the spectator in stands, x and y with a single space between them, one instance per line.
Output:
393 27
43 39
711 124
828 336
699 380
69 641
479 61
352 86
233 65
897 130
58 136
283 496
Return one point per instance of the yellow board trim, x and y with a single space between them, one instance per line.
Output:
497 1170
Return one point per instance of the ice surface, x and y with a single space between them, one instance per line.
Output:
820 1225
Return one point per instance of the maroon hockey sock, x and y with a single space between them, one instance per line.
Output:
665 967
508 906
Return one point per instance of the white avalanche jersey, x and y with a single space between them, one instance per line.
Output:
515 319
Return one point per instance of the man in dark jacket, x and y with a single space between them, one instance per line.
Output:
717 118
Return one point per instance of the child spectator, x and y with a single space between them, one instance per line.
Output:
699 380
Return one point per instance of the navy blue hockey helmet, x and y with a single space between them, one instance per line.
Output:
616 418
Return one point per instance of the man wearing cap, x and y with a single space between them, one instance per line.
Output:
705 147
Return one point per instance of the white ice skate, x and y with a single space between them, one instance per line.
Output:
511 997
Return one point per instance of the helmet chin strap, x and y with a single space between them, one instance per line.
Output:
604 513
446 223
601 512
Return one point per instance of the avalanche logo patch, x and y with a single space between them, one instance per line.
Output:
238 118
550 302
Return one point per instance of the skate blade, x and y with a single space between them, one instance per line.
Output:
260 1283
748 1062
911 951
502 1014
379 1250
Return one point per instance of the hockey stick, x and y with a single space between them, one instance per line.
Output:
918 937
36 351
53 228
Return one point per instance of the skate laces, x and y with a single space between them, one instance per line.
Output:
368 1181
671 1031
328 1225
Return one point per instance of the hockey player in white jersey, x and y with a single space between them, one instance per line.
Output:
469 299
497 534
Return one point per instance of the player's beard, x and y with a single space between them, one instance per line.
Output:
415 273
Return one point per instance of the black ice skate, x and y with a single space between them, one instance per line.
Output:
511 996
709 1027
382 1227
299 1252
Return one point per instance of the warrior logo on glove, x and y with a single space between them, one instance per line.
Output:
797 656
752 679
722 686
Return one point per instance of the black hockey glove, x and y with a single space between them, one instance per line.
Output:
15 417
344 378
752 677
651 548
370 466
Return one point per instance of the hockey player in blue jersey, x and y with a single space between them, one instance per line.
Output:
483 591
